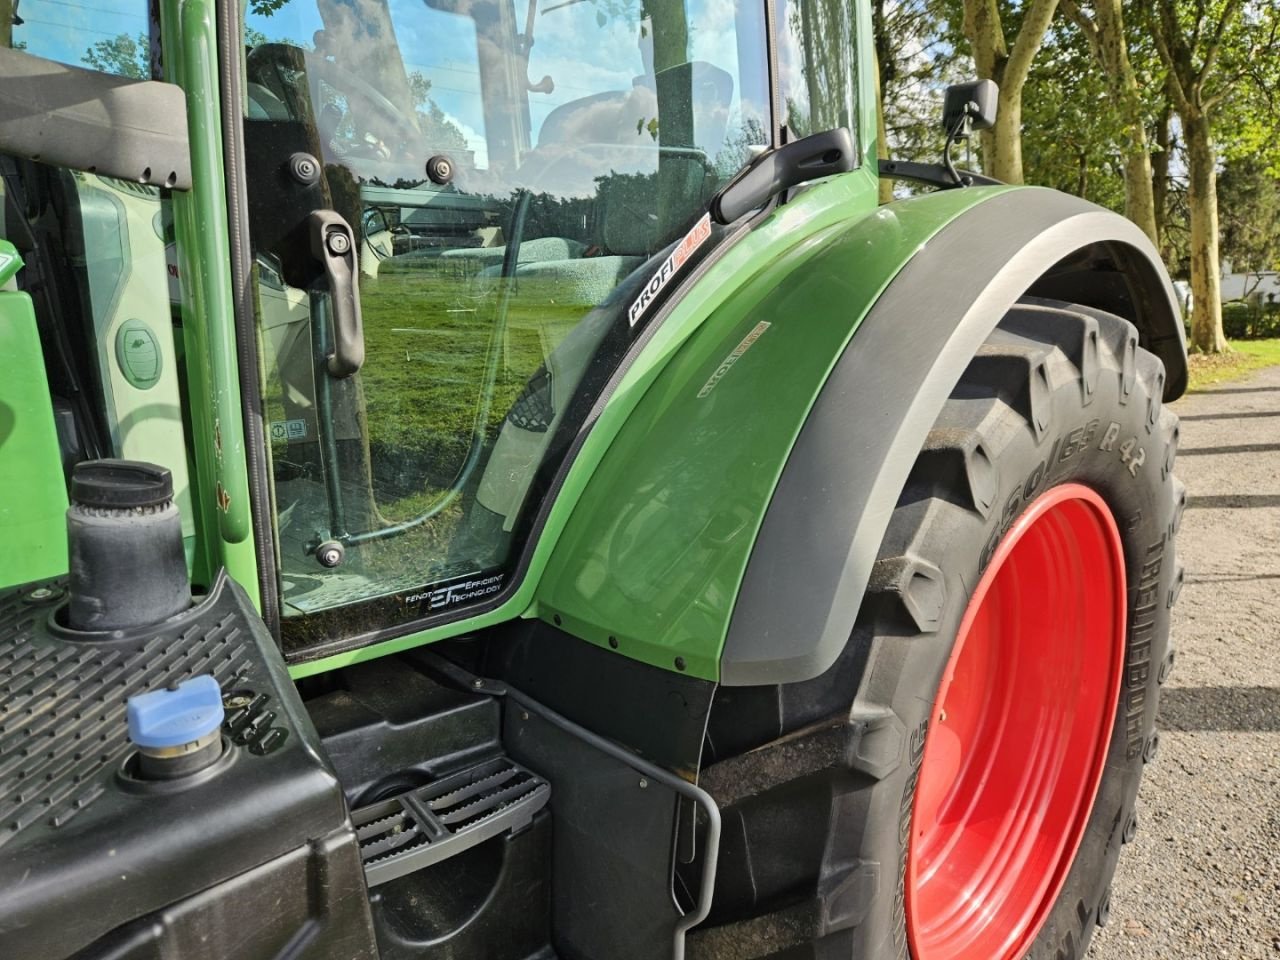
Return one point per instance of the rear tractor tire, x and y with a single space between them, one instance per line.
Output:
959 784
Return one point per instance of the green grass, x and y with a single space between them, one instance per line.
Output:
1246 356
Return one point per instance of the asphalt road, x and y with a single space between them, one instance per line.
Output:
1202 879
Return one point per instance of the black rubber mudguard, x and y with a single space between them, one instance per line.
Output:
811 562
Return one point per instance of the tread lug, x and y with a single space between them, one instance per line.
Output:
1179 506
956 459
1128 366
1025 366
915 585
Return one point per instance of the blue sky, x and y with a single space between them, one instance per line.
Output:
63 30
570 45
580 55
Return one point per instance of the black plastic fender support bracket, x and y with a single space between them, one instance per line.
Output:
690 792
812 559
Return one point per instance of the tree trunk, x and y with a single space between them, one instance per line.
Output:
1139 201
6 23
882 137
1206 277
669 21
1160 177
1008 67
1005 141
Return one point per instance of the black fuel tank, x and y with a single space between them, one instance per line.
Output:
248 856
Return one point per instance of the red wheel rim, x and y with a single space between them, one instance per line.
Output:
1019 734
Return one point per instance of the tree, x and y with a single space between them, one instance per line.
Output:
6 24
1008 65
1105 32
1209 47
123 55
917 54
441 132
1249 193
1071 136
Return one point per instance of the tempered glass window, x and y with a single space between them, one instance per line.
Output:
108 35
817 65
582 140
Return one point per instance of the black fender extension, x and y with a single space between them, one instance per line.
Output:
812 559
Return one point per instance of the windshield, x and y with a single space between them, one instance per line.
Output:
514 175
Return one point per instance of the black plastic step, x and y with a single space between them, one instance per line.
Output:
444 818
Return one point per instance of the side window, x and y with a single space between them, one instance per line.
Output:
112 37
580 143
817 65
100 264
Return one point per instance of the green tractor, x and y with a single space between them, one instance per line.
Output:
489 480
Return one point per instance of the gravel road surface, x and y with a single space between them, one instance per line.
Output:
1202 879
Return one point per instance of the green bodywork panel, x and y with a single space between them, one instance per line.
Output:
831 237
653 555
220 492
33 512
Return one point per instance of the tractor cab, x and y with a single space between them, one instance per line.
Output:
511 186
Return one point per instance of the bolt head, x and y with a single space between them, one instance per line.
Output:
43 595
330 554
440 169
304 168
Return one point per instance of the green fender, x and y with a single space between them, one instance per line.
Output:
729 530
650 561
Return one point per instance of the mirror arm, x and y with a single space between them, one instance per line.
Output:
934 175
774 171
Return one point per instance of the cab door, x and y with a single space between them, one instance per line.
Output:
496 205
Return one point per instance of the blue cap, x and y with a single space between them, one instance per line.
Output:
177 716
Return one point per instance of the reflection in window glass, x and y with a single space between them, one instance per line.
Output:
817 65
108 35
583 138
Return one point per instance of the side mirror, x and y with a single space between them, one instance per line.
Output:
974 102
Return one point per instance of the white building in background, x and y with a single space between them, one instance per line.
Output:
1262 286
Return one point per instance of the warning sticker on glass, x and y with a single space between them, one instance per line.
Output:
288 429
692 240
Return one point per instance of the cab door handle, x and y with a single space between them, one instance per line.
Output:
333 244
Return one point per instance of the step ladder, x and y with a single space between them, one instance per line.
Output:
440 820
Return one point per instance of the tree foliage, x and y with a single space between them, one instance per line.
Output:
1137 107
1249 203
122 55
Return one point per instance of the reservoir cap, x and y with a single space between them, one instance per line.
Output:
175 716
120 484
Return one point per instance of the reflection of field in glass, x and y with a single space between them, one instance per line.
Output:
430 339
